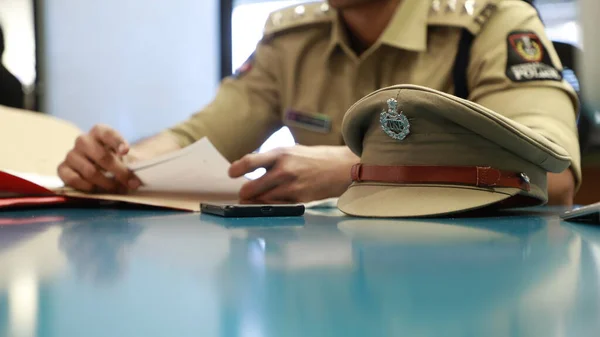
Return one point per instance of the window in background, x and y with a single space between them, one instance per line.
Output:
248 21
564 21
561 20
17 20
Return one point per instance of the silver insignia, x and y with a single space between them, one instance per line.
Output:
394 124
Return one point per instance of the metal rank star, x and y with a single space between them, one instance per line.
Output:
469 7
452 6
394 124
436 5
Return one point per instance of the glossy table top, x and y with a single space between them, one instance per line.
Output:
112 273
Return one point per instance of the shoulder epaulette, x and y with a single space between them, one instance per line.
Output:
297 16
469 14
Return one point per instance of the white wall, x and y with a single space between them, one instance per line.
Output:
138 65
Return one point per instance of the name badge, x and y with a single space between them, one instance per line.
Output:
314 122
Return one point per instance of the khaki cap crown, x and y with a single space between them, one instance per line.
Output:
456 156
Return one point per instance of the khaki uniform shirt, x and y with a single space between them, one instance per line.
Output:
304 75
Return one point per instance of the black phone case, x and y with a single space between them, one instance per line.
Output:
589 214
245 211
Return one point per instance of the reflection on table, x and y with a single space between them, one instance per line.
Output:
110 272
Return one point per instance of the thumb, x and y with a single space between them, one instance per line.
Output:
251 162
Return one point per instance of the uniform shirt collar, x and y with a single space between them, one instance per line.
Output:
408 27
339 36
406 30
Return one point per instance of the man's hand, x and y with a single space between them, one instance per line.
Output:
96 163
561 188
296 174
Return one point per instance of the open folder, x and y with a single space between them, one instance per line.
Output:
35 144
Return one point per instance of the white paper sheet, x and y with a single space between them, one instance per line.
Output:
198 168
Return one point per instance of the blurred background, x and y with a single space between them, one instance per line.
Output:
141 65
87 61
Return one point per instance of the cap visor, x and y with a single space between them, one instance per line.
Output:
388 201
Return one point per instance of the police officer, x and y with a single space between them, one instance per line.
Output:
315 60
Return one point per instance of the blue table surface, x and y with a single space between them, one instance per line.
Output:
108 272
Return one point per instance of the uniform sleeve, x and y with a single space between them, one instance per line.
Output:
515 71
245 111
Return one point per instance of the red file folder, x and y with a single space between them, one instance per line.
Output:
16 192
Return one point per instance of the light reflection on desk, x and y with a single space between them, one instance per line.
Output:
28 255
104 272
23 304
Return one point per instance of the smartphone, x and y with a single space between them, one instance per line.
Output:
589 214
252 210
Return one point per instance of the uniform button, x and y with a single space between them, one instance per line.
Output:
299 11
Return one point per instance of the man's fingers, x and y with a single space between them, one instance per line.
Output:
106 159
88 172
110 138
279 194
251 162
73 179
270 180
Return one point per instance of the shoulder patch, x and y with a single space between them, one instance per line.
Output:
245 67
528 60
297 16
469 14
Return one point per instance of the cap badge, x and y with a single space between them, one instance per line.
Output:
394 124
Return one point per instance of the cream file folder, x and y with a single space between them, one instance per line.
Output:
35 144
